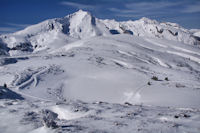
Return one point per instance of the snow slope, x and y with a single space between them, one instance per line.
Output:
83 74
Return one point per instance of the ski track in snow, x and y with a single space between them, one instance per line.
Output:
125 53
160 62
122 63
155 43
195 59
32 79
185 50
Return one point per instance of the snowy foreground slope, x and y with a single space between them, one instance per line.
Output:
75 75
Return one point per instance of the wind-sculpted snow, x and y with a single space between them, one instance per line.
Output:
76 116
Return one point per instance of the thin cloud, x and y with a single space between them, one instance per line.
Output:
135 13
145 6
7 29
12 27
129 15
139 15
192 8
141 9
77 5
123 11
18 25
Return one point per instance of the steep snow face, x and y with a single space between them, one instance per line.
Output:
81 25
84 25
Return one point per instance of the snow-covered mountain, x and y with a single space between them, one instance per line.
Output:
82 24
83 74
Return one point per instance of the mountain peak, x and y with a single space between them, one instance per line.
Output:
80 13
148 21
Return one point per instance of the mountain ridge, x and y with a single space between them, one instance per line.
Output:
82 24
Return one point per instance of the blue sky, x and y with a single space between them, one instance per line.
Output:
17 14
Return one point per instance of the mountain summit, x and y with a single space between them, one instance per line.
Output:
81 25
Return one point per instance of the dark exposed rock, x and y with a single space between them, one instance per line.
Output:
174 34
99 60
127 103
93 20
149 83
159 30
154 78
128 32
197 38
49 118
23 46
166 78
176 116
51 26
114 32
